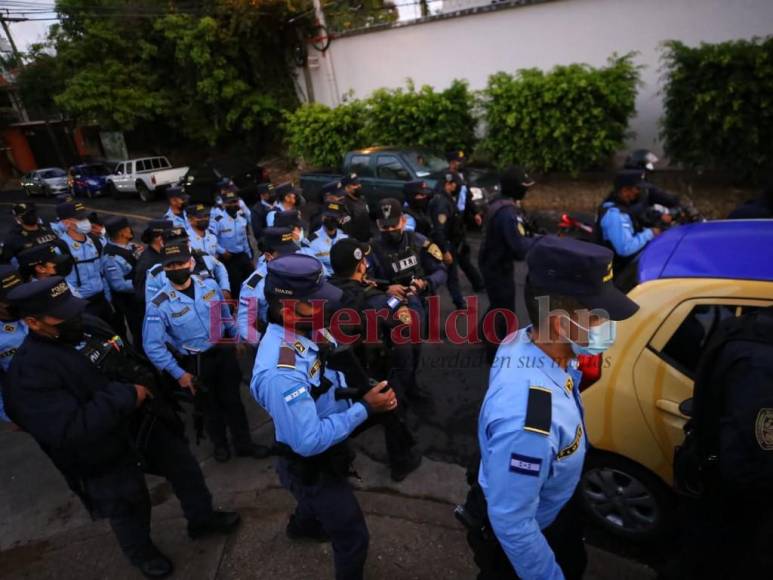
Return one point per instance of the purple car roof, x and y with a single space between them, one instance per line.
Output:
737 249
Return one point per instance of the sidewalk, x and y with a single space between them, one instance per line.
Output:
45 533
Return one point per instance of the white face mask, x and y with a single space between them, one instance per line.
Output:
600 338
83 226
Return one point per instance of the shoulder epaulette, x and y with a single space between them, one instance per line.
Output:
253 280
539 410
154 270
286 357
160 299
218 217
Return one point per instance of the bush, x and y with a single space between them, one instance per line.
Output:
569 119
402 118
321 135
719 104
438 120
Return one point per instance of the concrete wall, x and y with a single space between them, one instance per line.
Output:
538 35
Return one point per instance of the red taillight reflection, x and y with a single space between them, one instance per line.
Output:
590 365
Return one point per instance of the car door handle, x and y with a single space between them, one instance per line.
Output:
670 407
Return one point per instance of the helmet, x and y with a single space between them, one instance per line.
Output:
641 159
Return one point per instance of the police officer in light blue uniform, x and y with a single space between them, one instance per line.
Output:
618 226
204 266
311 422
86 277
253 308
182 314
201 239
176 212
13 331
531 428
286 200
322 240
233 244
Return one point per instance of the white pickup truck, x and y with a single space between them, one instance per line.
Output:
144 176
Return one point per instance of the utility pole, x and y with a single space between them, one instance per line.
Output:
15 100
328 58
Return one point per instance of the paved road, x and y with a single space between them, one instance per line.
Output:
455 375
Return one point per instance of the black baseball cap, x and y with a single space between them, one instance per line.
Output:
175 252
581 270
299 276
331 188
334 209
115 224
198 210
416 187
47 297
455 155
37 255
9 279
390 211
265 188
175 234
288 219
176 191
629 178
71 210
279 240
230 196
155 228
20 209
351 179
345 255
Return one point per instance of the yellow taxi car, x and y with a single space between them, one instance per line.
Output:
687 281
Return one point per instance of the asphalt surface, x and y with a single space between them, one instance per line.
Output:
454 375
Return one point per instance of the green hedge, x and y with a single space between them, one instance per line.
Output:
439 120
719 105
320 135
568 119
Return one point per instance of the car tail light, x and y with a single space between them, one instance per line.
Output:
590 365
153 179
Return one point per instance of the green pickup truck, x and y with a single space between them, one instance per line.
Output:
383 171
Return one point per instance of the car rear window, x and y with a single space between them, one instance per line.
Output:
52 173
360 164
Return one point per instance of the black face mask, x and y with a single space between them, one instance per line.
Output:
232 211
71 331
330 224
29 219
394 237
202 224
178 277
63 266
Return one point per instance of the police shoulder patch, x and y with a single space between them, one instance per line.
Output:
539 410
292 396
208 295
525 465
9 328
160 299
286 358
253 280
435 252
574 445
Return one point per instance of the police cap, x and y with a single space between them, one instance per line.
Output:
70 209
581 270
333 209
351 179
288 219
389 213
176 191
230 196
629 178
455 155
176 252
37 255
198 210
9 279
331 188
175 234
345 255
514 182
19 209
115 224
278 240
416 187
47 297
155 228
299 276
265 188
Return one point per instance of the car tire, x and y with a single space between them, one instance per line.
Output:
625 499
145 194
27 191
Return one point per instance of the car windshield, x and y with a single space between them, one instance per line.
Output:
425 163
94 170
53 173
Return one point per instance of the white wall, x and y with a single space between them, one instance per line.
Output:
541 35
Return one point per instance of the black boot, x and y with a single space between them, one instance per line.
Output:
154 564
217 523
407 464
295 531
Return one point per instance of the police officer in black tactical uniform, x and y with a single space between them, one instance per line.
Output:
448 233
264 205
27 232
724 468
416 197
506 239
358 224
409 267
350 267
65 388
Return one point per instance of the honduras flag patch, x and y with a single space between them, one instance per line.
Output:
294 395
525 464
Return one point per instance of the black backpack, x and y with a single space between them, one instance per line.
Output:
697 460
